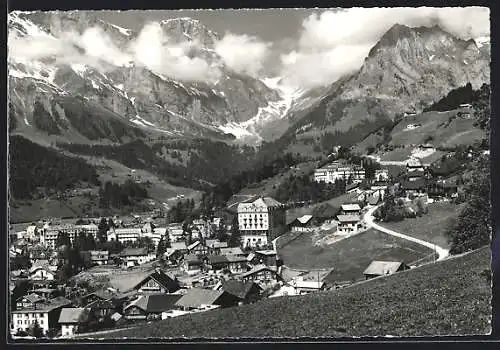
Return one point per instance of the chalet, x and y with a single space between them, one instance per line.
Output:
247 292
98 295
197 299
45 313
215 262
381 174
42 273
197 248
96 257
232 251
348 224
157 282
150 307
303 224
427 147
236 263
262 275
136 256
354 187
415 175
46 293
384 268
414 188
266 257
29 301
175 232
214 246
379 185
442 189
413 126
72 320
414 164
350 209
100 309
179 246
192 264
302 286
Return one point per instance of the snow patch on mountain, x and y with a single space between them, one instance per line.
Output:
124 31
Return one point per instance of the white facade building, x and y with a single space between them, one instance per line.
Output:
334 172
260 221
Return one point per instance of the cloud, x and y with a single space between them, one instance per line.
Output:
153 50
95 48
335 42
242 53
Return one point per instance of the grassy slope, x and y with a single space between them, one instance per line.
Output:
351 256
442 126
447 298
430 227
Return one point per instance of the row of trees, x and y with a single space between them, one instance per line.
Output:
121 195
302 188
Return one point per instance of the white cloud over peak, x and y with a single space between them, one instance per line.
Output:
335 42
243 53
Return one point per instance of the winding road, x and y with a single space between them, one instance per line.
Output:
369 220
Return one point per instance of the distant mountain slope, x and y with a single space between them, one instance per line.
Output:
451 297
137 94
408 69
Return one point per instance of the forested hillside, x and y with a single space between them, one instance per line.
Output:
35 169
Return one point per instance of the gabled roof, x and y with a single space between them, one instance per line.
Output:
195 297
255 270
414 185
192 258
350 207
155 303
308 284
134 251
266 201
73 315
238 288
215 243
231 251
352 186
32 298
304 219
382 268
193 245
217 259
268 252
235 258
162 278
348 218
178 245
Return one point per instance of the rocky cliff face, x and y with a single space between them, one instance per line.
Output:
137 94
408 69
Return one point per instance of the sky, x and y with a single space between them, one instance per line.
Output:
306 47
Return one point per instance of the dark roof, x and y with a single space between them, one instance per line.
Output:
195 297
382 268
238 288
352 186
134 251
73 315
415 173
414 185
155 303
32 298
192 258
162 278
217 259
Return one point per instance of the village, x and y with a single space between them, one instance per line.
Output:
146 269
